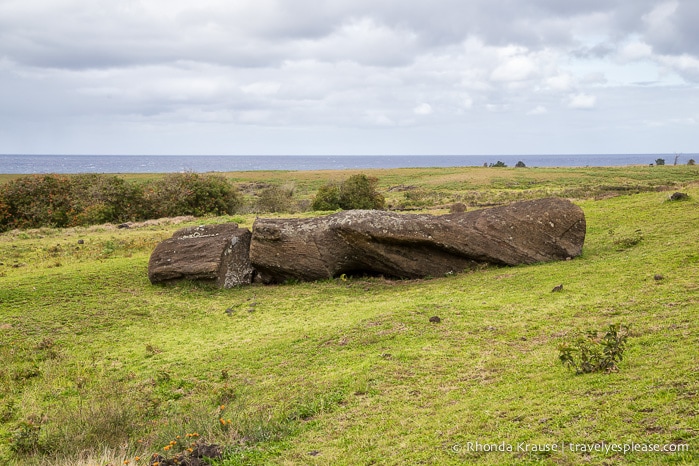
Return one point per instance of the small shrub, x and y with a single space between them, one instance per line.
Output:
327 198
35 201
276 199
5 217
356 192
498 164
190 194
660 161
99 199
691 162
60 201
520 164
359 192
588 352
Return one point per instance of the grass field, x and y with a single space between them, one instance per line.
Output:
99 366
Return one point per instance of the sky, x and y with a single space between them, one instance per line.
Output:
349 77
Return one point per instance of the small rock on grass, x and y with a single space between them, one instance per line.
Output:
679 196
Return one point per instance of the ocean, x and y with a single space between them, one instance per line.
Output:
37 164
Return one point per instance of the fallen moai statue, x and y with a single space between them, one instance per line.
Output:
211 253
414 246
397 245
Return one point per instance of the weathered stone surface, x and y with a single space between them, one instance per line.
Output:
679 196
213 253
413 246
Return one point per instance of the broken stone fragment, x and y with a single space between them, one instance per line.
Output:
212 253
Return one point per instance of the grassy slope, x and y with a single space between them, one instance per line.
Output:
352 371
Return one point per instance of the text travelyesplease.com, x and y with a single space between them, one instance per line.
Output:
602 447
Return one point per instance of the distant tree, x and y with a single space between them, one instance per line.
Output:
356 192
359 192
190 194
498 164
327 197
35 201
520 164
98 198
64 201
691 162
276 199
660 161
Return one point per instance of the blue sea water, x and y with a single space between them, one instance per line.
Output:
36 164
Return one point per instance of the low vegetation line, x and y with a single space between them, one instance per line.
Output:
77 200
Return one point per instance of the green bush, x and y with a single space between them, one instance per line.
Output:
327 197
589 352
35 201
190 194
101 199
359 192
63 201
660 161
276 199
356 192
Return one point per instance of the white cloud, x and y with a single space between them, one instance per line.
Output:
538 110
582 101
378 119
684 65
423 109
362 40
560 82
596 78
261 88
635 50
516 65
660 16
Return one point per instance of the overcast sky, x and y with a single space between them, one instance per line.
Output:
349 76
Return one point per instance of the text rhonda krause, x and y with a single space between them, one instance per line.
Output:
603 447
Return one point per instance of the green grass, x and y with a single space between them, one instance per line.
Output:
107 367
